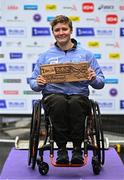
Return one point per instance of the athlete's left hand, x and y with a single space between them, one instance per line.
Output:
91 74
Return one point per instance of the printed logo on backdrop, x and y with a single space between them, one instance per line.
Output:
71 8
121 104
122 32
3 67
2 31
75 18
14 43
16 104
93 44
106 104
98 32
17 68
88 7
121 7
31 92
11 92
2 56
108 68
121 68
105 32
95 93
13 104
18 32
37 17
114 56
40 31
35 44
30 7
15 19
12 81
106 8
32 55
2 104
113 92
114 44
85 31
51 7
122 20
50 18
93 19
12 7
98 56
111 81
111 19
16 55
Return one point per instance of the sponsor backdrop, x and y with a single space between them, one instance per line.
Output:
25 33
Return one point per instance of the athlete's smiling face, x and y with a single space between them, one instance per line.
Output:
62 33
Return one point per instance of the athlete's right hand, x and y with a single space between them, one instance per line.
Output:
40 80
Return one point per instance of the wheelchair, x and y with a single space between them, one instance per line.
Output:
93 140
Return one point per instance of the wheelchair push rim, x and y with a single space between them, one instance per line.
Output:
34 135
98 134
101 134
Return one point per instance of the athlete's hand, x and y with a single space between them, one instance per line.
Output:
91 74
40 80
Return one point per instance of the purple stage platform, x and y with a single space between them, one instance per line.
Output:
16 167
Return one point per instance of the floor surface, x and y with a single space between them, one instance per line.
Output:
21 128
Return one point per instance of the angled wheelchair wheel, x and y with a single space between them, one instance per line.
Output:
97 138
34 134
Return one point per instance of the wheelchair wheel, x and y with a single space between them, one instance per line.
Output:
101 135
96 166
43 168
34 134
98 139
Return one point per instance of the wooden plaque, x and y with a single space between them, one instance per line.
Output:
67 72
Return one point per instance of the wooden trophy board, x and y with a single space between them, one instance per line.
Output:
67 72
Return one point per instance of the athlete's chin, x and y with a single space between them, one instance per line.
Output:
62 42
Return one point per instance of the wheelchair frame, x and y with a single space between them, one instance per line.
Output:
93 140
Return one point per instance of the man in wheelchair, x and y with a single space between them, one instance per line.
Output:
67 103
